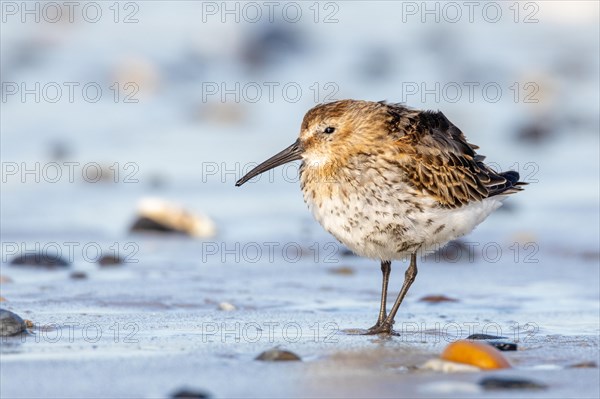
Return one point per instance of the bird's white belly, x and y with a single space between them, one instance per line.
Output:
401 224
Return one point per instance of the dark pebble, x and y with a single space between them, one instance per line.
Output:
500 343
276 355
59 150
505 346
437 299
493 383
10 323
190 394
144 224
534 133
79 275
484 336
49 261
270 45
584 365
342 270
110 260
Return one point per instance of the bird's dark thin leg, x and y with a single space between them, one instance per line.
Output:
386 268
409 277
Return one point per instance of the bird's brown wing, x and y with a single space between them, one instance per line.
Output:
446 166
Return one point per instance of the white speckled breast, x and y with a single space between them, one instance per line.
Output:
385 219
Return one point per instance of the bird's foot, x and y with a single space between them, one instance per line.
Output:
381 328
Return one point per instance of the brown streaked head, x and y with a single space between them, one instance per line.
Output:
329 134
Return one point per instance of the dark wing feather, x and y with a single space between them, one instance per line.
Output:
446 166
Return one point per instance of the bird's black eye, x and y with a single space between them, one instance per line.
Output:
329 130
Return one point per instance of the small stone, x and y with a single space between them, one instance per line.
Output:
29 323
190 394
535 132
484 336
109 260
493 383
155 215
10 323
49 261
226 307
437 299
77 275
342 270
500 343
144 223
477 354
268 46
504 346
584 365
59 150
276 355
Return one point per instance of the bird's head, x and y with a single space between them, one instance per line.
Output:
330 134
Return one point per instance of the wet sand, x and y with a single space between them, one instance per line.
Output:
148 329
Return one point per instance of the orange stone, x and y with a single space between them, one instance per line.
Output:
478 354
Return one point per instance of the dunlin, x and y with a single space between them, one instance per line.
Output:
389 181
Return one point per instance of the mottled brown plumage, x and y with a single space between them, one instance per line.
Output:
432 152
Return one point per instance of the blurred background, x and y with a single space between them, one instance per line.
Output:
141 115
176 100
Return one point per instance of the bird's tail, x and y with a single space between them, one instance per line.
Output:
507 184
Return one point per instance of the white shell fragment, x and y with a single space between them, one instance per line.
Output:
177 218
445 366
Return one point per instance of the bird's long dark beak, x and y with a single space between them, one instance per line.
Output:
292 153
